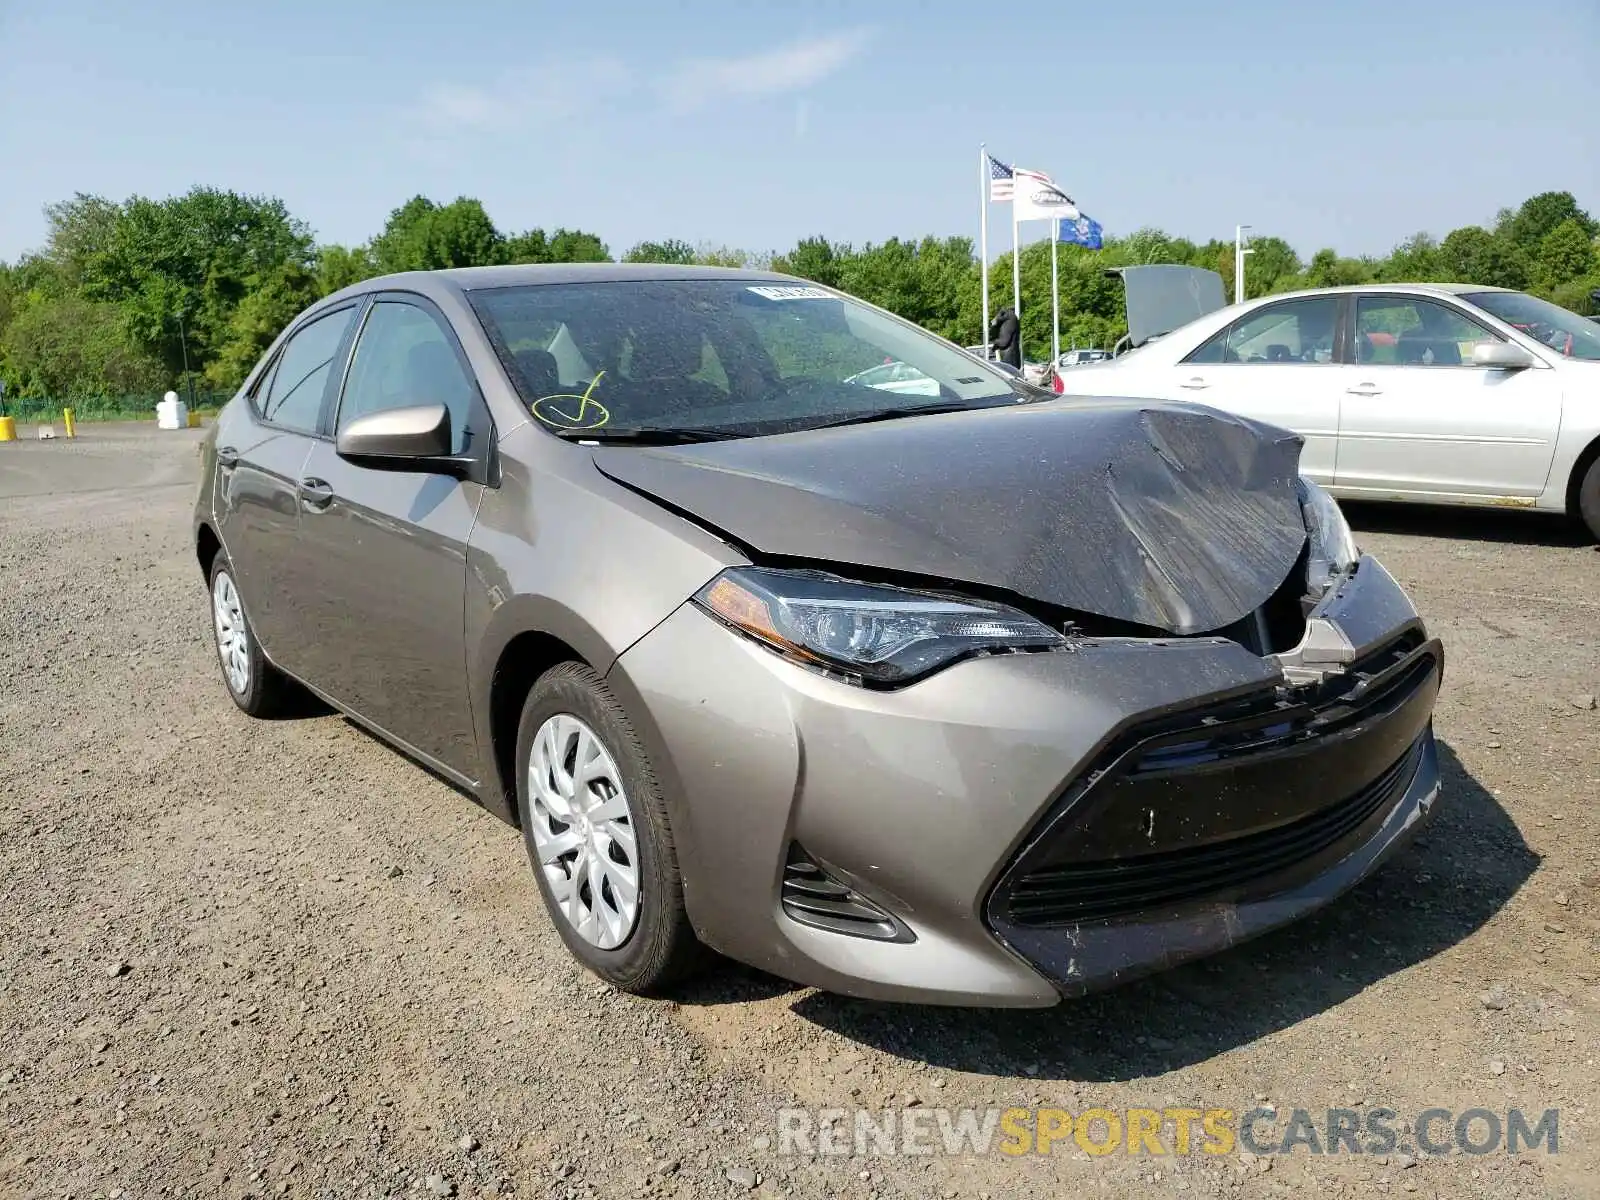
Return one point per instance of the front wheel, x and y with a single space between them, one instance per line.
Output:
256 686
1589 499
597 834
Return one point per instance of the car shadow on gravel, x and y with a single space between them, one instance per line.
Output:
1462 870
1468 524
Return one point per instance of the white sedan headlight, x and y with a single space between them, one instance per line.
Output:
1333 546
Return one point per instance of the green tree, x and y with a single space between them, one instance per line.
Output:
1539 216
529 247
1415 260
340 266
1273 266
423 236
576 246
673 250
1327 269
1474 255
257 320
69 348
1566 253
813 258
177 268
81 229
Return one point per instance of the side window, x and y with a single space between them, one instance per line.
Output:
1295 331
1211 351
403 358
1409 332
294 389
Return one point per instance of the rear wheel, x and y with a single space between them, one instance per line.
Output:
597 834
256 686
1589 499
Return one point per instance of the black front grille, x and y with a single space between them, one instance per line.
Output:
812 896
1069 893
1253 727
1216 803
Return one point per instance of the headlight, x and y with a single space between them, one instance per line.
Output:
882 635
1333 546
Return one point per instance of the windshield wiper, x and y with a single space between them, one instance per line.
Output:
915 410
648 437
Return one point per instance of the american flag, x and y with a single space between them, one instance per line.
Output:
1001 184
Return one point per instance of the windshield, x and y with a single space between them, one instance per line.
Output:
738 357
1563 331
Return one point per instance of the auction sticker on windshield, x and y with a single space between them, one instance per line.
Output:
794 293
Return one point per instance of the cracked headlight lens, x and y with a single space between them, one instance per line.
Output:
1333 547
882 635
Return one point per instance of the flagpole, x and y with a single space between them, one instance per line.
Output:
1016 272
983 245
1055 297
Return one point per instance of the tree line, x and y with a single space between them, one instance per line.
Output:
134 297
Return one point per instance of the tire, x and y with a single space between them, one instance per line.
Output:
1589 499
620 832
256 686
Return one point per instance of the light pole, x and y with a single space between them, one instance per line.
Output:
1241 247
183 343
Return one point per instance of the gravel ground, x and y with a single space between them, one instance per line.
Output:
260 959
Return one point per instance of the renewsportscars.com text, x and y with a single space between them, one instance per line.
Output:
1155 1132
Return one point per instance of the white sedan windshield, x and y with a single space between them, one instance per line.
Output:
1563 331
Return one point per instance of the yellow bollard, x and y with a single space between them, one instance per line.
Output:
8 429
68 420
194 420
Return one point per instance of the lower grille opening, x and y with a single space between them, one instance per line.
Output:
811 895
1070 893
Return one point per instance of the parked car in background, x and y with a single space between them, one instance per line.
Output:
1435 393
898 377
1078 358
986 698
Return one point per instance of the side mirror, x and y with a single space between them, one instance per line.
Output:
401 439
1502 356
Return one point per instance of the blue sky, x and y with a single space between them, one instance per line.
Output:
754 122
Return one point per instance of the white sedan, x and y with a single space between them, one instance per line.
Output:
1438 393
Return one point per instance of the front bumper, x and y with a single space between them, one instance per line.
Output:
1034 825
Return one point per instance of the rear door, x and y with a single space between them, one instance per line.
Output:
261 453
1276 363
383 552
1420 419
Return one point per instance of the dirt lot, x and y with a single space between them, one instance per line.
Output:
247 959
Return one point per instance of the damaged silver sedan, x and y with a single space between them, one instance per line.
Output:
942 691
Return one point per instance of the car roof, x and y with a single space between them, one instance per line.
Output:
470 279
458 280
1443 289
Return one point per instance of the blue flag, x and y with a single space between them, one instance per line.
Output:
1082 231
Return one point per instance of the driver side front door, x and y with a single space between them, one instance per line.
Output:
387 548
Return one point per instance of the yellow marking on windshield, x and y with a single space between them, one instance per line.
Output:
591 413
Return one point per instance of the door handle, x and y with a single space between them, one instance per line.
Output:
1195 384
315 493
1365 389
227 456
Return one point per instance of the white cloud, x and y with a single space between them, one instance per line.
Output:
448 106
538 96
697 82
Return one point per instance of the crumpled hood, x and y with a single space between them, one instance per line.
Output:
1167 515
